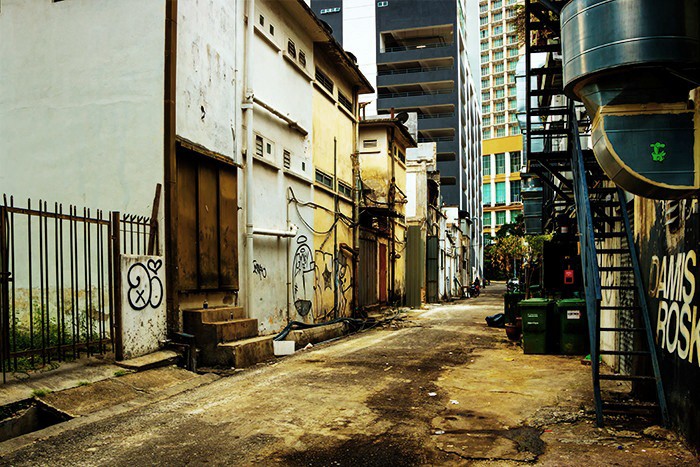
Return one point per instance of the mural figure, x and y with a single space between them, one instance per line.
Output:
145 287
303 267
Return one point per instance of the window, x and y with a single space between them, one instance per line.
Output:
484 33
302 58
369 143
498 55
512 51
272 30
499 106
487 220
501 163
500 217
512 65
327 11
259 145
515 191
498 42
498 16
262 20
499 80
512 39
487 121
484 70
499 119
487 133
486 194
483 21
500 132
291 48
514 130
496 4
497 30
345 101
485 83
484 58
344 189
486 108
486 165
485 95
499 93
324 179
511 77
287 159
515 163
325 81
513 118
382 4
498 68
268 149
512 104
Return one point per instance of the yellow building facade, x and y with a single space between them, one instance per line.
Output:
502 163
335 127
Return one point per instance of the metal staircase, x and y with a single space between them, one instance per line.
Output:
608 254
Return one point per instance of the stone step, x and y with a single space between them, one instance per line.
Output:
215 314
244 353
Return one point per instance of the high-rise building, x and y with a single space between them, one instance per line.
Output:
502 157
418 60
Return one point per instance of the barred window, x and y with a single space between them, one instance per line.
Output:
324 80
291 49
302 58
344 101
258 146
287 159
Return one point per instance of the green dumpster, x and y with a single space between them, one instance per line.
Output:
534 313
510 305
574 326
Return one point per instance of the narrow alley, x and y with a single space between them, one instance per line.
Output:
434 387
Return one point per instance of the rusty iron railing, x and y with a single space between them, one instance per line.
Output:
57 284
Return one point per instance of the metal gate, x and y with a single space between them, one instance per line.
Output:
367 280
432 257
56 281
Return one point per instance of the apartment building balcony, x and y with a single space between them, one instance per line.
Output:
411 99
417 75
437 121
416 44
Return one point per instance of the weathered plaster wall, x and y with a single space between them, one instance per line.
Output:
206 75
81 101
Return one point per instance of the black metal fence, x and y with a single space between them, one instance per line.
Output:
57 291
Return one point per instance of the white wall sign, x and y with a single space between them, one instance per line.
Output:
143 304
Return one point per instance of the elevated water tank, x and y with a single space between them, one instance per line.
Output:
633 64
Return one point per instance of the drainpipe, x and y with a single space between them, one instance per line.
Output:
392 205
248 110
356 205
170 167
335 228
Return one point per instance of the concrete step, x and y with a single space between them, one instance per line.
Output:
245 352
236 329
157 359
215 314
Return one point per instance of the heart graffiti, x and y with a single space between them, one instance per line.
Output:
145 287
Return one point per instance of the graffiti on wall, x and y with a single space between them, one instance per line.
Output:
143 315
316 275
145 287
259 270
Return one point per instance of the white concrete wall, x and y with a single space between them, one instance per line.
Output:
207 109
81 101
279 84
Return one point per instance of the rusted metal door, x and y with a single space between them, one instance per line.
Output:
367 277
382 273
207 223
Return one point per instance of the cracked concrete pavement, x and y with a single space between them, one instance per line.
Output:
435 387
